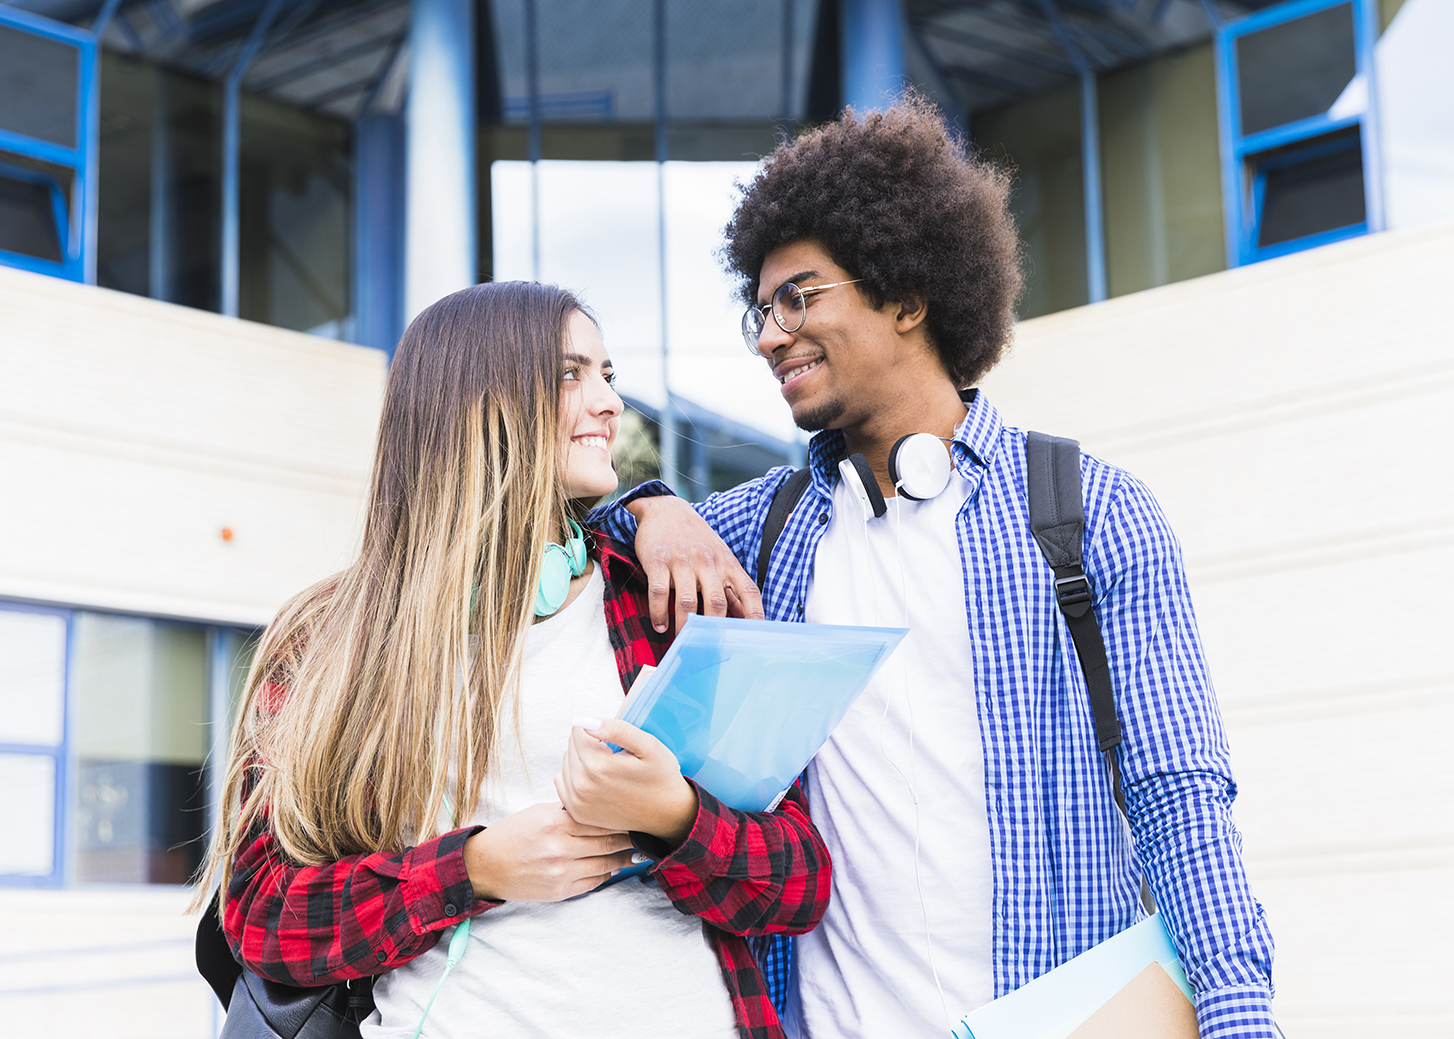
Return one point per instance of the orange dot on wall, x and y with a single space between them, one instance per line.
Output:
226 533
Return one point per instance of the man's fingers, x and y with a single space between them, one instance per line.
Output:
746 600
684 585
658 593
714 592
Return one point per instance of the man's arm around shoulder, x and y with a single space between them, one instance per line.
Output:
694 556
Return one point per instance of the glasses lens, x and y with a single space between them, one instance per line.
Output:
752 320
788 307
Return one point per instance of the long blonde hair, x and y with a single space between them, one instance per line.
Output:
379 691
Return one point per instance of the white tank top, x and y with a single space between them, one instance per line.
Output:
590 966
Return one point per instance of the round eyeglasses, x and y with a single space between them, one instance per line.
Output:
789 306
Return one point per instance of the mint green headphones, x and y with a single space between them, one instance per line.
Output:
561 563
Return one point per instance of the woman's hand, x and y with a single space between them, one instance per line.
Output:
541 854
639 789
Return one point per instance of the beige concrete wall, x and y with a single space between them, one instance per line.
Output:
1295 420
132 432
114 962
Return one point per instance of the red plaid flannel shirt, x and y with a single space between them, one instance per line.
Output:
744 873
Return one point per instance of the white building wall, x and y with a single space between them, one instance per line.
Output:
1294 418
133 432
114 962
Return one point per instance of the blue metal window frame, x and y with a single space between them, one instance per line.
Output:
60 754
73 222
1242 188
223 642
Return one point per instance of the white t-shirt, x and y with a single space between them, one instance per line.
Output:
589 966
866 970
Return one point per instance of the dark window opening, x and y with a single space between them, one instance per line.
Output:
1295 70
1310 188
28 221
39 83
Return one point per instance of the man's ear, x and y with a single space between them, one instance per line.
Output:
911 312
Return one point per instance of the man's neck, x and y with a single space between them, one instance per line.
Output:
933 407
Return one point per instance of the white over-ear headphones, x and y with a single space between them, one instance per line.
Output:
919 466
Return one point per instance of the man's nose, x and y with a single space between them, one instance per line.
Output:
773 338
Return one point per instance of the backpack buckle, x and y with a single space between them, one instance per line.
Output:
1071 592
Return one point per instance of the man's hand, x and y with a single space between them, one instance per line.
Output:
541 854
686 562
640 788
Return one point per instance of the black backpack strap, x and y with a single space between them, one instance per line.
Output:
1057 521
784 500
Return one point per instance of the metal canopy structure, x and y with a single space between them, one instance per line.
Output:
335 56
987 53
327 56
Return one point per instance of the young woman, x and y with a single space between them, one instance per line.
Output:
421 742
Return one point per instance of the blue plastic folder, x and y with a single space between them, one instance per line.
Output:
1056 1004
744 705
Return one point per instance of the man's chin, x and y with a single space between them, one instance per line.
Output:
812 418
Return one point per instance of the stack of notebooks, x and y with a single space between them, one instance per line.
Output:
1129 987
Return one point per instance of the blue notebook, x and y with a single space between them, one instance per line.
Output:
744 705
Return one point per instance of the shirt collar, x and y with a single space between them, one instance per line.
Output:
617 565
974 442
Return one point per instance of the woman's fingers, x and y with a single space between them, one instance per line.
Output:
601 731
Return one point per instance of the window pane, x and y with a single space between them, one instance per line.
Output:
27 814
1296 69
139 735
1311 189
28 218
594 60
38 88
725 59
295 218
32 678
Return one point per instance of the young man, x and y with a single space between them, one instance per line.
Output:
970 815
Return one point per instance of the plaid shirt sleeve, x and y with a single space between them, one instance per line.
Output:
747 873
361 915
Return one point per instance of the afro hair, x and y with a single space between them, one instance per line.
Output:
896 201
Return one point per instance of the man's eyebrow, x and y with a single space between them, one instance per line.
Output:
800 276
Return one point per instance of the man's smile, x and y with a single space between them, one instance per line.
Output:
794 368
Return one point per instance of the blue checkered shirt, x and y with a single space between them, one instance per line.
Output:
1067 868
